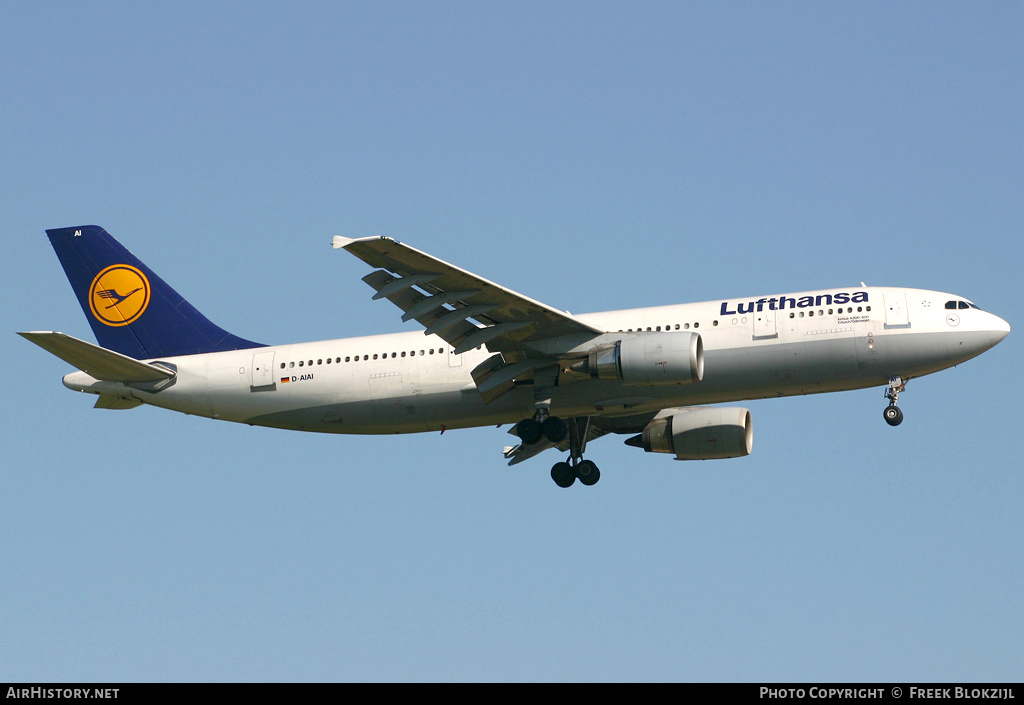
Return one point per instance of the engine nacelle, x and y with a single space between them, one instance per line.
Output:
700 433
649 358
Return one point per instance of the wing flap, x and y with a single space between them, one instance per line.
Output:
95 361
463 309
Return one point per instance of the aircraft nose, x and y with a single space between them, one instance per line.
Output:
982 333
1000 329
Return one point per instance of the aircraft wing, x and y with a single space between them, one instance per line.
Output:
463 309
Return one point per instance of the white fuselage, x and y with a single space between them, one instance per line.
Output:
803 343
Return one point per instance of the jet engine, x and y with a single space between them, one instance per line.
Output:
699 433
649 358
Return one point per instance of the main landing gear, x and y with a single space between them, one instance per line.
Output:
893 415
556 430
530 431
565 474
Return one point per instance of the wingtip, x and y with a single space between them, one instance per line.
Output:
339 241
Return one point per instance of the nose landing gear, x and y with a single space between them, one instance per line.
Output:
893 415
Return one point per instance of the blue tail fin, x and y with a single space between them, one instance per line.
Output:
131 310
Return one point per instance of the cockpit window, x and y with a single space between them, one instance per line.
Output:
954 305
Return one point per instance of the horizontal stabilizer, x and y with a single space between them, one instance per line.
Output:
107 401
95 361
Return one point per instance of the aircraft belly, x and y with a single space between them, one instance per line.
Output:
412 414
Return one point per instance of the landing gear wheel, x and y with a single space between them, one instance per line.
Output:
588 473
529 431
554 429
893 415
563 474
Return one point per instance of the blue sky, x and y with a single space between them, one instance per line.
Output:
590 155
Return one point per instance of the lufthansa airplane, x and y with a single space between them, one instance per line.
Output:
489 356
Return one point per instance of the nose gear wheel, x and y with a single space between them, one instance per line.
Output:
893 415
